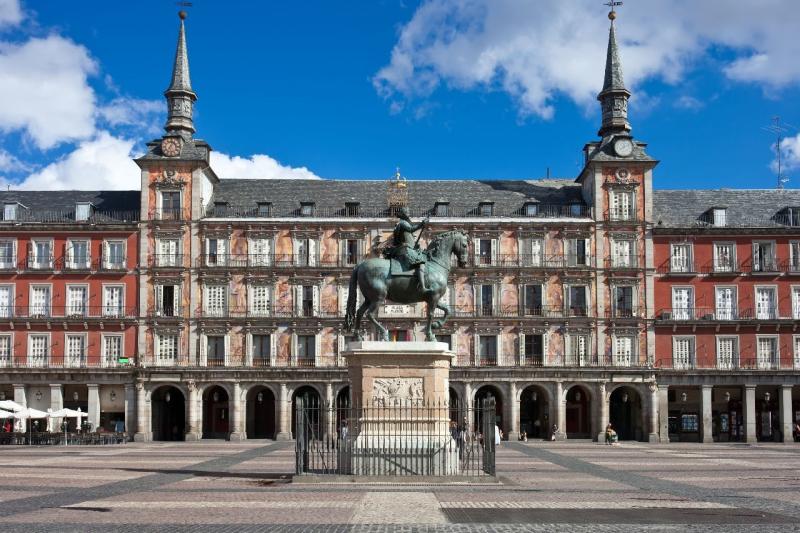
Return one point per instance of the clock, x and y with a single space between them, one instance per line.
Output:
171 146
623 147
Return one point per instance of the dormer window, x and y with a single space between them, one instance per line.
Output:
220 209
719 217
83 210
351 209
792 216
576 210
10 211
264 209
307 209
441 209
531 209
486 209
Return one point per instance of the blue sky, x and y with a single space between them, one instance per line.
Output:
502 89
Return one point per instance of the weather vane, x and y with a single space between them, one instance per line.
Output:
612 4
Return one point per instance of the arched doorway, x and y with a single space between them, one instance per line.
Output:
216 416
578 413
308 397
625 413
534 418
455 406
483 397
168 414
260 413
343 412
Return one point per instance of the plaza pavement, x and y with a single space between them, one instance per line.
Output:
569 486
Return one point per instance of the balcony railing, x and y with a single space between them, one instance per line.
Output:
737 363
71 312
168 214
622 262
58 361
724 314
626 312
559 361
165 261
67 216
166 311
616 214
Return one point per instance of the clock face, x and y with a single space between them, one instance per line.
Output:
171 147
623 147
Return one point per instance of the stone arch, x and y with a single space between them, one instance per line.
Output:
260 412
168 412
313 399
626 412
578 407
455 404
535 411
216 411
482 393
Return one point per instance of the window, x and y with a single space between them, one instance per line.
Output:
766 352
76 300
38 349
727 352
112 349
764 257
720 217
532 251
623 255
7 256
624 350
486 300
441 209
726 305
10 211
168 300
531 209
167 348
112 301
170 205
351 209
83 211
682 303
576 300
5 350
682 352
623 302
796 303
168 255
220 209
486 209
351 253
307 300
40 301
532 300
264 209
621 205
447 339
305 251
577 348
75 350
577 252
40 254
533 348
216 300
576 210
216 251
114 255
766 308
794 256
485 251
6 301
261 349
306 349
259 300
398 335
681 258
487 350
307 209
260 251
215 350
78 254
796 341
724 257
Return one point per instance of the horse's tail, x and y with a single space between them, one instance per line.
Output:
352 296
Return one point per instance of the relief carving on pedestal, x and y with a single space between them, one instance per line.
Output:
396 391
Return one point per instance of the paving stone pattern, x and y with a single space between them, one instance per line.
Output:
563 486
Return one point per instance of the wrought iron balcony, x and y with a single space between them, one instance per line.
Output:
165 261
68 216
622 215
60 361
68 313
736 363
719 314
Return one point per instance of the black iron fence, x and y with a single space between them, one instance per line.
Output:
405 439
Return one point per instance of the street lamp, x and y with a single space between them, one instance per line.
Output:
766 396
684 396
260 397
75 396
727 396
113 395
38 395
624 397
167 397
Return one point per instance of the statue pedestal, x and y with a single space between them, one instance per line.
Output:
400 392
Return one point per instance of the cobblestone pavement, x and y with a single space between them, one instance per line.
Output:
571 486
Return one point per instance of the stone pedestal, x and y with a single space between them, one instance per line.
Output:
402 391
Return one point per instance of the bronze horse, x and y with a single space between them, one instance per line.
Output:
373 278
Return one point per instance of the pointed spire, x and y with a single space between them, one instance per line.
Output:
614 96
180 95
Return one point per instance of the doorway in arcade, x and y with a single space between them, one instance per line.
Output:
168 414
75 397
216 419
112 408
534 419
260 413
625 414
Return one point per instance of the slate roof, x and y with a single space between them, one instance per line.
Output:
463 196
746 208
192 150
59 206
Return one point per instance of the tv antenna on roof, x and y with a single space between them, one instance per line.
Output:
779 129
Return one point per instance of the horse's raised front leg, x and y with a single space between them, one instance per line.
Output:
383 333
440 322
429 325
359 315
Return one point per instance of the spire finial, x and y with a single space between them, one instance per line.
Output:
180 95
614 96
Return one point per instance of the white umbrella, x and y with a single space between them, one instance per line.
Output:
30 412
8 405
6 414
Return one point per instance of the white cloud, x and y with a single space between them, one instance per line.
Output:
535 51
45 91
127 111
10 163
689 102
102 162
791 153
10 13
258 166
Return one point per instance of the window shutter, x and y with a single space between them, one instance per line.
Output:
298 300
312 252
317 349
499 349
495 250
536 252
521 349
476 250
159 299
316 298
344 291
227 349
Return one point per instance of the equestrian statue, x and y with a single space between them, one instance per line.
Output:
405 275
